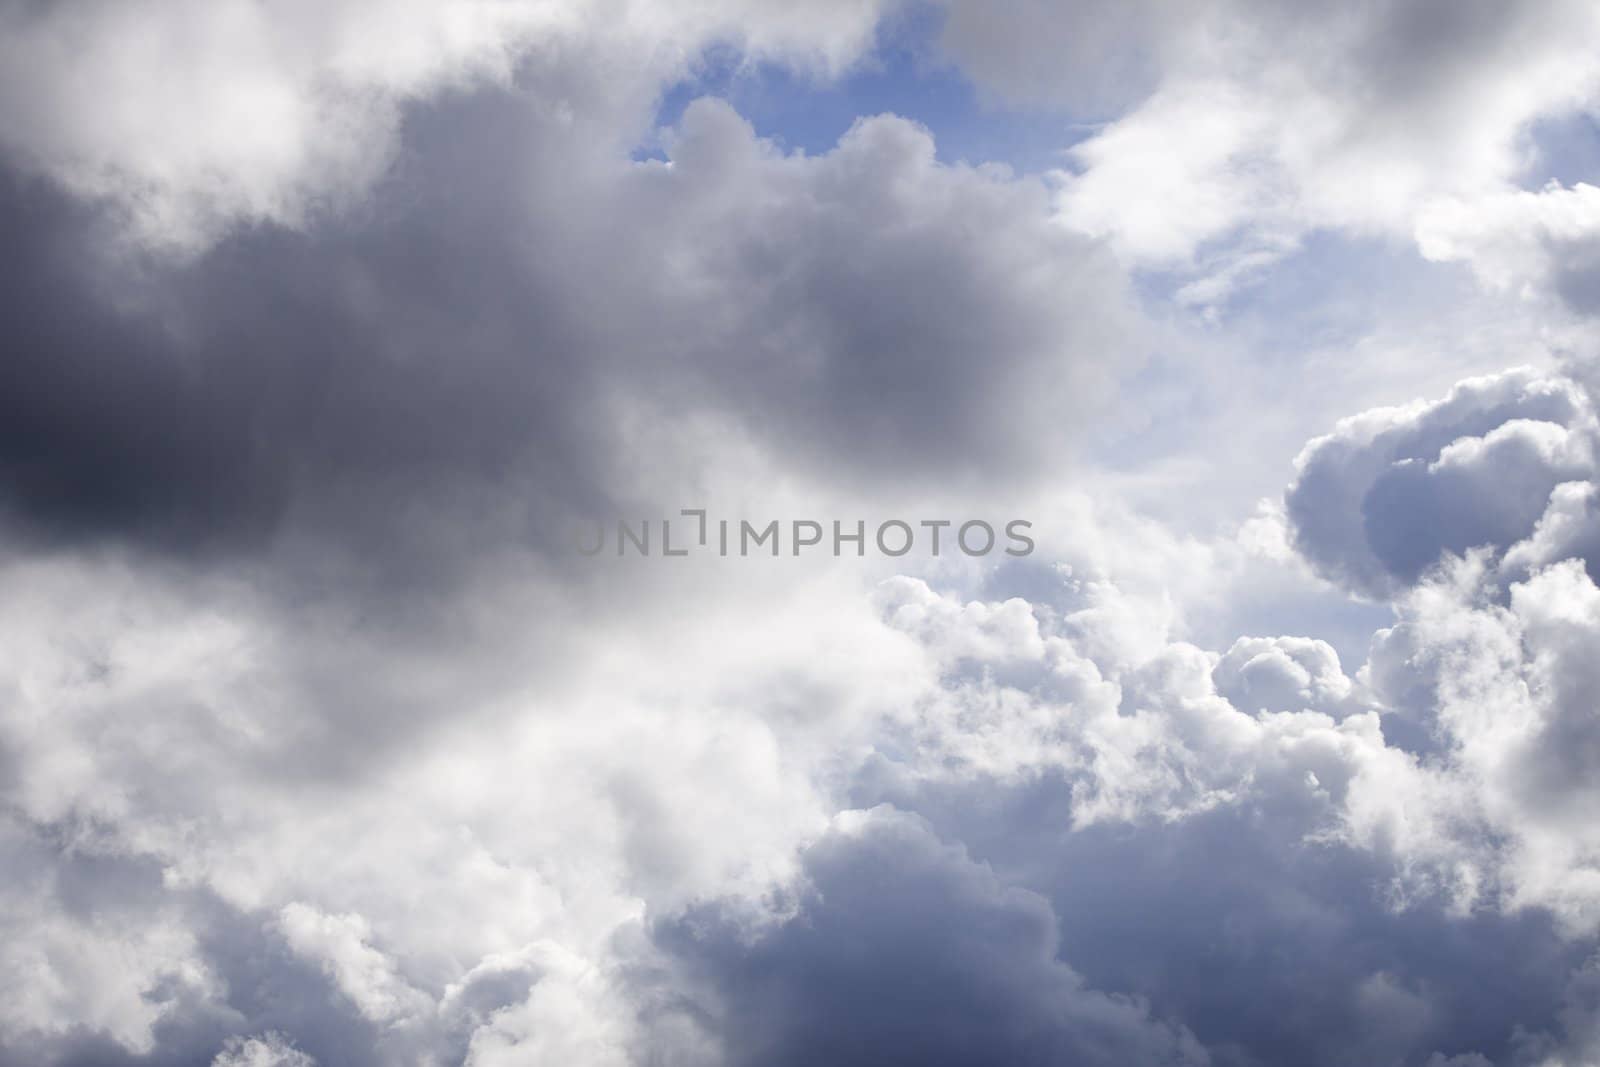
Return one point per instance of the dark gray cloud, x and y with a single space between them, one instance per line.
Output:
104 425
326 379
1246 944
904 951
1217 923
477 326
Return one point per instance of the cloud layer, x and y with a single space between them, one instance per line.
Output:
319 746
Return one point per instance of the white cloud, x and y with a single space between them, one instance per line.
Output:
1541 244
195 117
1252 123
339 943
266 1050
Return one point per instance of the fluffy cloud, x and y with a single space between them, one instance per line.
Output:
588 918
1543 242
268 1050
1380 500
314 749
884 898
354 444
1315 825
1261 674
754 303
1505 690
1232 129
193 118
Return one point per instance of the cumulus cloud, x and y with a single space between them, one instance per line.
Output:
1384 497
754 301
1313 826
1284 674
884 898
1032 739
1504 688
315 748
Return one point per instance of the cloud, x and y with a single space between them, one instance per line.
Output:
1542 243
192 119
1304 816
1070 772
884 899
315 748
268 1050
1284 674
339 944
1384 497
1224 133
753 303
1500 687
854 309
91 946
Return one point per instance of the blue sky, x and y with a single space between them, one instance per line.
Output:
906 74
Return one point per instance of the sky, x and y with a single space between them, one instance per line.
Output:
1260 336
